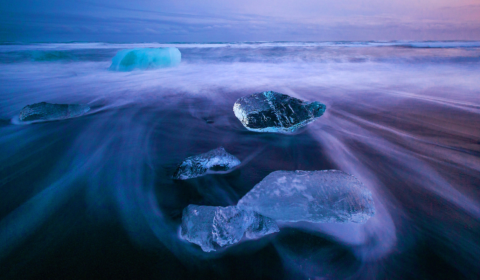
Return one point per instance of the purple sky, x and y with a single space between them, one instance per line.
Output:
246 20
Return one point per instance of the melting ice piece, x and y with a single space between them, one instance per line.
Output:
210 226
148 58
275 112
212 161
47 111
312 196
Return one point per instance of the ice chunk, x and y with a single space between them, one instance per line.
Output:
197 226
275 112
312 196
47 111
210 226
148 58
209 162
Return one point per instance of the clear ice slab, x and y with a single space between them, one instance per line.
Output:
275 112
313 196
209 162
44 111
214 226
147 58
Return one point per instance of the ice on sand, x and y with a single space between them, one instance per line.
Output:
44 111
214 226
275 112
209 162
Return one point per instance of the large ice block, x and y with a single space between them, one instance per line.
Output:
148 58
312 196
209 162
275 112
47 111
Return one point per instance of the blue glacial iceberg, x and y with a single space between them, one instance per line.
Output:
275 112
148 58
217 160
212 227
313 196
44 111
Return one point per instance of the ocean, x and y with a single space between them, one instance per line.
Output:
93 197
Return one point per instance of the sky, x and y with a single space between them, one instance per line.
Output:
231 21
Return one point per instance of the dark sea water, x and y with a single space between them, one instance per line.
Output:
92 197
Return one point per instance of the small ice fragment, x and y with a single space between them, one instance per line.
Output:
147 58
209 162
275 112
44 111
210 226
312 196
